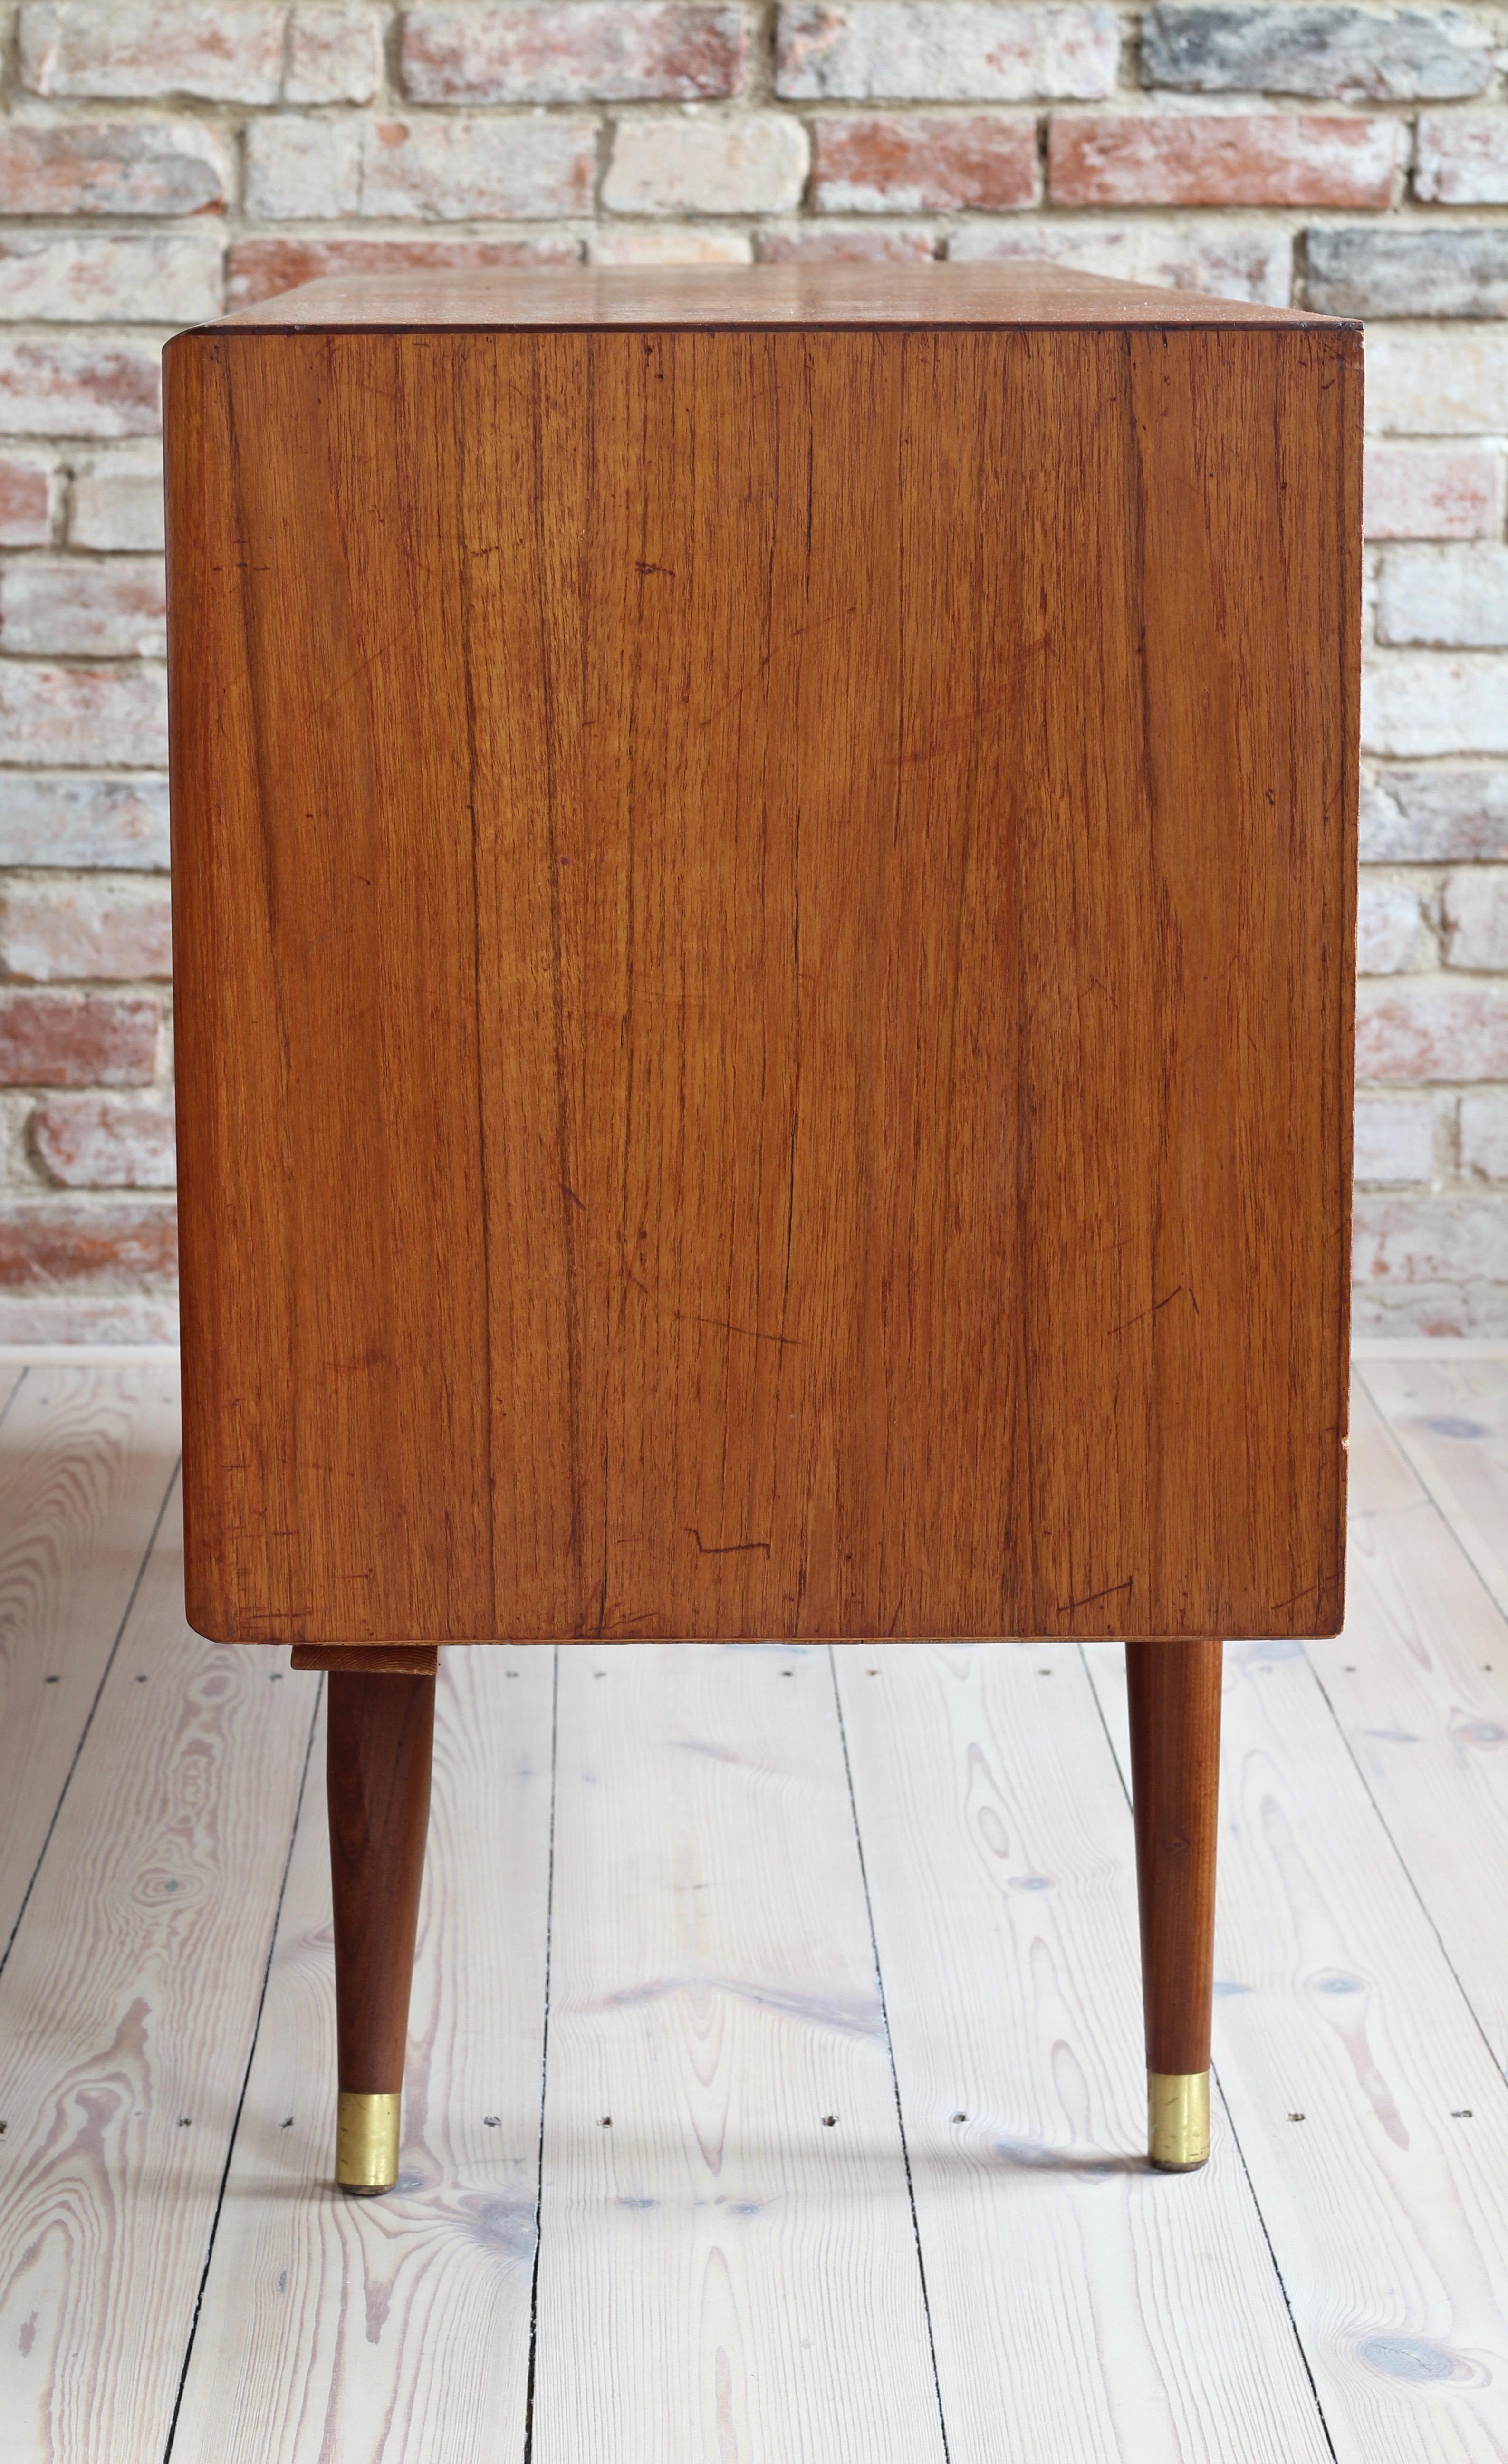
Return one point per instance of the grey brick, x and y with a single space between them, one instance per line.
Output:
1354 54
1474 910
1451 598
114 166
1390 926
1423 1252
1224 254
1394 1135
1417 706
1427 816
120 824
1436 380
1378 272
945 51
1484 1136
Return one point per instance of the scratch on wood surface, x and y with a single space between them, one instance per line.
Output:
1327 1582
726 1548
1168 1297
698 1317
1066 1607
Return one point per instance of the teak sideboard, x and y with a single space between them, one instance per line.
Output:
764 874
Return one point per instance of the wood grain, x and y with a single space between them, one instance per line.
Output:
763 927
381 1733
727 2262
1451 1418
1173 1720
86 1455
126 2015
1371 2118
1082 2305
336 2328
1419 1684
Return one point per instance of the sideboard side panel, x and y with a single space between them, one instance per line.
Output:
764 927
333 1268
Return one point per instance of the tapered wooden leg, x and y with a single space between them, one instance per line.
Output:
377 1777
1174 1693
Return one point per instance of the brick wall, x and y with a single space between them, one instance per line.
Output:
158 161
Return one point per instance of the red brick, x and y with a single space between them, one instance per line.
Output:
1436 380
1390 927
1449 1252
78 717
116 500
1266 158
911 163
1407 1032
53 1241
137 278
434 169
335 54
108 825
73 1314
944 51
111 166
1222 254
753 164
1430 816
454 170
106 1141
1393 1137
1462 157
298 166
807 244
1484 1136
66 606
1475 911
1419 703
26 501
99 824
670 244
49 931
261 268
76 51
1421 492
70 387
50 1039
594 51
1453 598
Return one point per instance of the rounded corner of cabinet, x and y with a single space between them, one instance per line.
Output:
206 1613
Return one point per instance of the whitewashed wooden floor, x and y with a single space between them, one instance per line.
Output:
775 2087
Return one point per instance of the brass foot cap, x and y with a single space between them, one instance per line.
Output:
367 2143
1178 2120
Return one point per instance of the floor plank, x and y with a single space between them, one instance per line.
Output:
126 2015
337 2330
1082 2305
1370 2115
1419 1684
723 2277
86 1455
1451 1418
727 2274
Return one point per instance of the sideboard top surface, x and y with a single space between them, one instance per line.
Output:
569 299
